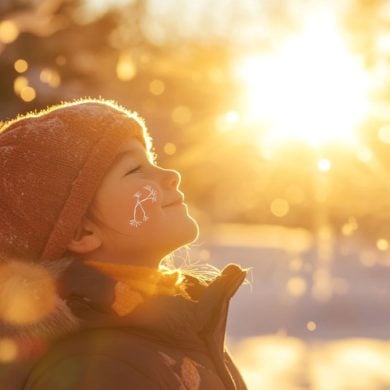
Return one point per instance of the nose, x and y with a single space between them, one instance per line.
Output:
170 179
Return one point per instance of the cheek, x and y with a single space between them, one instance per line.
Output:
143 206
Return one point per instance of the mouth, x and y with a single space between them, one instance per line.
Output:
175 202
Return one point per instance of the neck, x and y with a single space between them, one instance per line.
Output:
128 258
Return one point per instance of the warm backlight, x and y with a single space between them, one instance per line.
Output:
312 88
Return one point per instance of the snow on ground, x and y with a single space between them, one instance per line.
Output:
283 335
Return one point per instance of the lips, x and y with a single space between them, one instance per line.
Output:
178 200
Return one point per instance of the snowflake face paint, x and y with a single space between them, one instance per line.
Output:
139 213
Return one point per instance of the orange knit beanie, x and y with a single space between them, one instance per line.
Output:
51 164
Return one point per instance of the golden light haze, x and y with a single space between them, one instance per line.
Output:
287 363
311 88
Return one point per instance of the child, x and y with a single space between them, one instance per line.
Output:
86 216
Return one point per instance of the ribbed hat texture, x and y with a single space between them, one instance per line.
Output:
51 164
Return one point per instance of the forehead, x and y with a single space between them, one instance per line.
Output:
132 144
130 148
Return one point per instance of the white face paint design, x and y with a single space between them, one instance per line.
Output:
151 195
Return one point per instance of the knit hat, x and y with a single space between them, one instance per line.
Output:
51 164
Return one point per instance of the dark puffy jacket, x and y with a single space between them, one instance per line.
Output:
167 342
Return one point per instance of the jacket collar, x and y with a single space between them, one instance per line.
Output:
84 298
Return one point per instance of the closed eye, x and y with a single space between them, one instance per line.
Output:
133 170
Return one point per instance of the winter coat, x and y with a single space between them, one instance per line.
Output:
166 342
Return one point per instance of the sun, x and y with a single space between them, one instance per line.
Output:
312 89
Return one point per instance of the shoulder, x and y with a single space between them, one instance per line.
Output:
89 371
102 359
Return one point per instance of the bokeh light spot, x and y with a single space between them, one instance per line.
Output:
204 255
227 121
349 227
156 87
382 244
19 83
21 65
311 326
125 68
279 207
8 31
384 134
50 77
181 115
296 286
322 286
169 148
28 94
364 154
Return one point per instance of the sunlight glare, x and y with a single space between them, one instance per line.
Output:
324 165
311 89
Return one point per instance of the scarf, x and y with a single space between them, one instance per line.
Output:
135 284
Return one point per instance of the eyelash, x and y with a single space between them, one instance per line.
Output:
133 170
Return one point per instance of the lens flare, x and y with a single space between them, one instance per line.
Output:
27 293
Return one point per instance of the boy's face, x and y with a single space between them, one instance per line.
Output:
140 210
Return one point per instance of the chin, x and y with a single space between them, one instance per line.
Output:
188 233
195 229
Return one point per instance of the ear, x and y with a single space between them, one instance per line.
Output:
85 238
